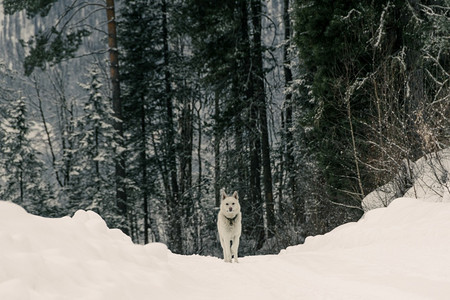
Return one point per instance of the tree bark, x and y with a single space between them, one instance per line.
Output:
47 133
245 91
288 139
143 154
175 241
198 201
288 100
260 103
217 137
186 148
121 195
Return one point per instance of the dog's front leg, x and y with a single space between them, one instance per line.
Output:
226 249
234 248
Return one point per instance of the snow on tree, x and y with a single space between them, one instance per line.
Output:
22 172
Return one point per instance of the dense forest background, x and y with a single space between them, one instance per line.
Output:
143 110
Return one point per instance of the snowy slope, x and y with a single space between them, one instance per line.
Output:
429 177
398 252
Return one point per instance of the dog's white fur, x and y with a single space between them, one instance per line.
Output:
229 225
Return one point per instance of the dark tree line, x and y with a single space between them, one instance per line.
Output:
374 85
185 107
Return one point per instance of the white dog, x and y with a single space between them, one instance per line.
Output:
229 225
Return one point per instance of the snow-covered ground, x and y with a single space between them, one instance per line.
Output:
398 252
428 178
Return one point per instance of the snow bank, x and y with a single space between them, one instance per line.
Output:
406 223
71 258
402 250
398 252
430 176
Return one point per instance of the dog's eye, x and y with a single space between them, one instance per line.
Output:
233 203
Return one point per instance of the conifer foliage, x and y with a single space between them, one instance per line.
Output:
91 174
372 86
22 170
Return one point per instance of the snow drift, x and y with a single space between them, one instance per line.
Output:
428 178
398 252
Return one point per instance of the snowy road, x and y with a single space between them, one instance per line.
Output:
399 252
304 276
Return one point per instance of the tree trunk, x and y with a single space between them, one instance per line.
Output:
217 137
187 201
260 103
288 101
288 155
143 154
47 134
198 220
121 195
175 240
186 147
245 83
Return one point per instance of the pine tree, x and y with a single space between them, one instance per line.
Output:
23 171
333 52
161 87
365 75
261 103
61 42
140 40
92 175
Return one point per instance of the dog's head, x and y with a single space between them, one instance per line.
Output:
229 205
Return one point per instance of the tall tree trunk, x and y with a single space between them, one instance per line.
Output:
143 158
198 220
21 188
217 137
256 214
260 103
175 240
299 206
152 221
47 133
187 201
121 195
246 83
186 148
288 97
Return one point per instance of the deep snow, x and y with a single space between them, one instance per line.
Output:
398 252
429 178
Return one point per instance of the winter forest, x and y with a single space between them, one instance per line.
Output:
142 110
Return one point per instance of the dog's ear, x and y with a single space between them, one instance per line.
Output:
235 195
223 195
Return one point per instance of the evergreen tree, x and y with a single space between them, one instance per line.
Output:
92 175
334 53
162 89
61 42
365 75
141 40
22 171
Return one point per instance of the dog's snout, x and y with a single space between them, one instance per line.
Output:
230 208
